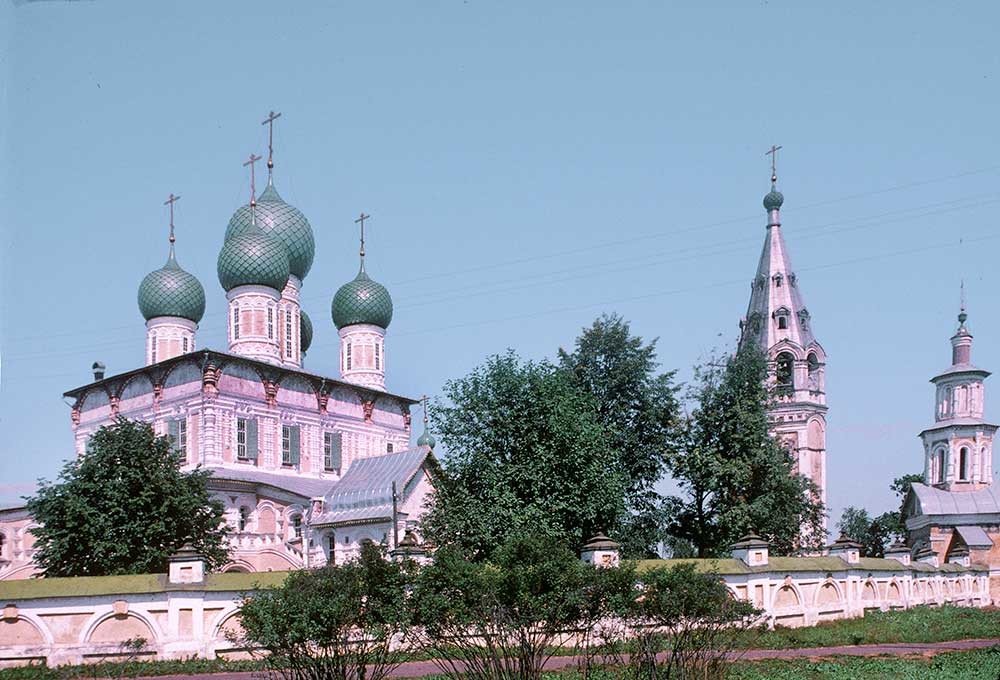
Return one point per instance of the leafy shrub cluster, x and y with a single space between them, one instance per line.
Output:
499 619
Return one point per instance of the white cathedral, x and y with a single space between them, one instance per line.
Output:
308 466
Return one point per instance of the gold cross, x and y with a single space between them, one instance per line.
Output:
361 220
269 122
170 201
773 153
253 187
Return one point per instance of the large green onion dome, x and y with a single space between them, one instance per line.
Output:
305 331
283 221
171 291
252 258
362 301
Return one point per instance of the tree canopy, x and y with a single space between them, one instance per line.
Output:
639 409
526 452
874 534
124 508
734 476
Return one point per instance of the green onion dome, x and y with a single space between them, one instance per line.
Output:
252 258
773 200
305 330
426 439
171 291
362 301
283 221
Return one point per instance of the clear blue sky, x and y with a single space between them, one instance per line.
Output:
527 166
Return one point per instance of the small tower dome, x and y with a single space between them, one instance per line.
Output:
284 222
251 257
773 200
426 439
171 291
305 330
362 301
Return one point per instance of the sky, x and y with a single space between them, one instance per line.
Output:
527 167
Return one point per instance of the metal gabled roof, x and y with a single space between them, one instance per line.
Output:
935 501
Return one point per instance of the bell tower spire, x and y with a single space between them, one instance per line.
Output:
779 323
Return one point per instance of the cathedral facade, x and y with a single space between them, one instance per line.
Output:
779 323
308 467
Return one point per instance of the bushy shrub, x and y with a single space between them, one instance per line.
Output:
342 622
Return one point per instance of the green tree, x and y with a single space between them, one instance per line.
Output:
873 534
124 508
734 476
347 622
894 520
639 409
526 452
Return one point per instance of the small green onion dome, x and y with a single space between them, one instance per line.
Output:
362 301
426 439
171 291
283 221
773 200
252 258
305 330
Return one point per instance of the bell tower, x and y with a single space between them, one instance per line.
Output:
779 323
958 448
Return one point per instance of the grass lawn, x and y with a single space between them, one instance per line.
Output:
976 665
920 624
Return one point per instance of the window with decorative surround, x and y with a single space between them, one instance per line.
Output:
152 346
332 447
236 322
185 345
241 438
270 323
348 356
288 333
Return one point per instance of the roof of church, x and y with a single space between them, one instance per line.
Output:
952 422
958 369
307 487
365 490
975 536
115 382
934 501
767 297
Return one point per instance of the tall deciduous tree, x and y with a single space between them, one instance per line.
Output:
124 508
526 451
735 477
639 408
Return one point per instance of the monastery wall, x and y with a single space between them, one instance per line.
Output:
89 619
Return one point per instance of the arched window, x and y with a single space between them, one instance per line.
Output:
814 371
942 455
785 373
963 463
244 518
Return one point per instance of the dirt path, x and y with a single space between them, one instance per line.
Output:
420 669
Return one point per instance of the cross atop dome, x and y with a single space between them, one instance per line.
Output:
269 122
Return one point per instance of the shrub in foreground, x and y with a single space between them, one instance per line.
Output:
341 622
